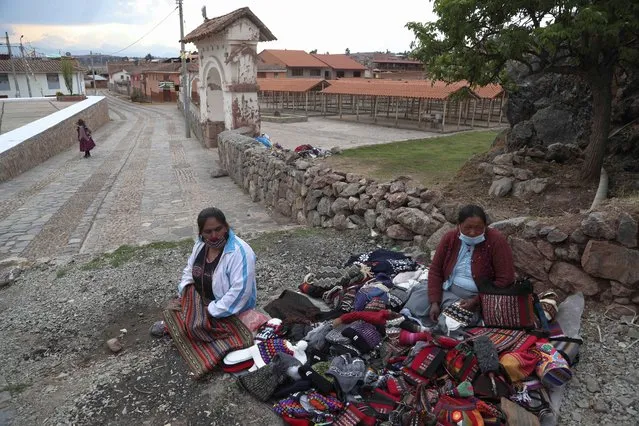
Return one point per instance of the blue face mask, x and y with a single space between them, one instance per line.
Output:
472 241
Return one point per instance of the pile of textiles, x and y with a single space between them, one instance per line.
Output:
310 151
359 361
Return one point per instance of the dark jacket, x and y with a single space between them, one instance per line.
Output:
492 259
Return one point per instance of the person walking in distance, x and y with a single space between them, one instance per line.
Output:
85 139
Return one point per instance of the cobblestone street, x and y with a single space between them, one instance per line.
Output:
144 182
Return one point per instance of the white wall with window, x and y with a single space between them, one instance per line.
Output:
41 84
120 77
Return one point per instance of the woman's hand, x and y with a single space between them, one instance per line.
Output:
434 312
469 304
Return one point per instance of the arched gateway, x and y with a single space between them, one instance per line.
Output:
227 48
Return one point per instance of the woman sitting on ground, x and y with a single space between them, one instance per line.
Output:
218 284
221 267
465 255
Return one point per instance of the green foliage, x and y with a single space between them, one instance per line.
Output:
149 57
67 74
475 39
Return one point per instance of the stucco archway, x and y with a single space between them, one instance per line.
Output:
227 47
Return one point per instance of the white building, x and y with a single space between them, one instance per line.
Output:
42 75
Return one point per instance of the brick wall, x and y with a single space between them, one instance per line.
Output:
52 141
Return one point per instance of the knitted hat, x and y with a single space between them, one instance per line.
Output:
335 335
263 352
376 304
397 297
333 297
348 371
260 383
285 365
269 330
328 277
364 336
519 365
317 375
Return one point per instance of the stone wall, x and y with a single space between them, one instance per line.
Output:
595 253
55 133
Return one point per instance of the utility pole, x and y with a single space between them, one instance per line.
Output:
95 89
26 73
13 67
184 78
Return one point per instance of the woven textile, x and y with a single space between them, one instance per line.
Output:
201 340
519 365
506 340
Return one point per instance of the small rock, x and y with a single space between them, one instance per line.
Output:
600 406
592 385
114 345
218 173
582 403
576 417
625 401
556 236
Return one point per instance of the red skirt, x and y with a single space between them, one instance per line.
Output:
87 145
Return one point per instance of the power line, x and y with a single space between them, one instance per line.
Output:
147 33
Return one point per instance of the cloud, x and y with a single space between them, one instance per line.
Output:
110 25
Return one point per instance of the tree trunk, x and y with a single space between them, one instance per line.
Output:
601 87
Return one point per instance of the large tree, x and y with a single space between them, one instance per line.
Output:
590 39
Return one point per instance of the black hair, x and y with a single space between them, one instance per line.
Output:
81 122
210 212
471 210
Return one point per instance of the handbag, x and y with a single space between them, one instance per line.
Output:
510 307
424 365
568 347
461 363
553 370
457 412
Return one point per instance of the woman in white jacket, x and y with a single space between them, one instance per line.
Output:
221 268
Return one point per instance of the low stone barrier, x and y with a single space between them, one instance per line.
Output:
596 253
26 147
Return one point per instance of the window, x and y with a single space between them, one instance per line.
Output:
297 72
122 77
340 74
316 72
276 74
261 75
4 82
53 81
357 73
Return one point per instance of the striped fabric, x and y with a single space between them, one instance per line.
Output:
201 340
506 340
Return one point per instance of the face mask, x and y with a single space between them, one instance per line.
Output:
472 241
214 244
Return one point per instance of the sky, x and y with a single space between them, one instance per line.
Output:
108 26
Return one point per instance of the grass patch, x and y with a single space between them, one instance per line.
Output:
262 242
126 253
430 161
61 272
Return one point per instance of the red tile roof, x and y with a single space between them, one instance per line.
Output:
296 58
340 62
37 65
289 84
408 89
219 24
490 91
384 58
